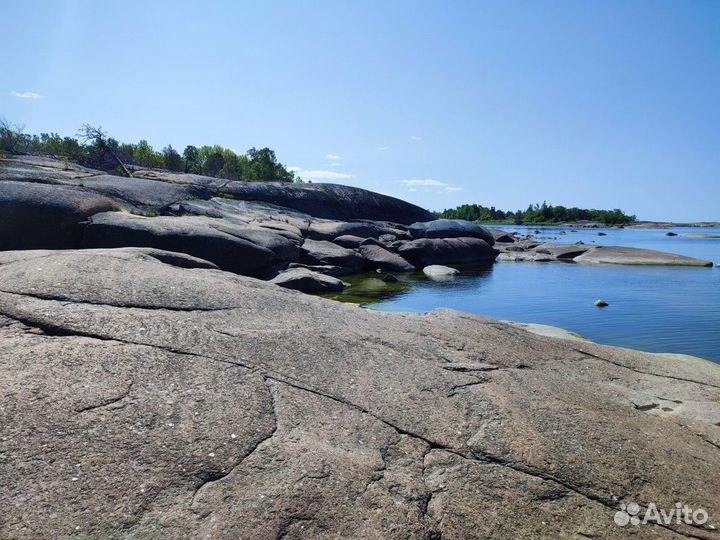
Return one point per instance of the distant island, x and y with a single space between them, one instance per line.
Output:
537 214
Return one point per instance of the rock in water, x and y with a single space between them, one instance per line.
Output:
670 233
601 303
142 399
627 255
438 270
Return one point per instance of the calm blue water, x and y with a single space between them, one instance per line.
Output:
656 309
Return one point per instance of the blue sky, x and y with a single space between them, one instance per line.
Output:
594 103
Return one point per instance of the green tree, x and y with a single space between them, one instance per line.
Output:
171 159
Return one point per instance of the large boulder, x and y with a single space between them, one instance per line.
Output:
636 256
144 400
322 252
500 236
307 281
428 251
379 257
331 201
328 230
243 250
42 216
451 228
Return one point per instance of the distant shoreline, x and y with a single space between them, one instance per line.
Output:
598 225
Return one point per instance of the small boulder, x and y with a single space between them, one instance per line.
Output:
382 258
389 278
602 234
307 281
501 236
349 241
440 271
323 252
601 303
387 238
670 233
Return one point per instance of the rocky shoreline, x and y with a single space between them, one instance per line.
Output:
152 391
300 236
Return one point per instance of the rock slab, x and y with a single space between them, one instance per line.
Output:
142 399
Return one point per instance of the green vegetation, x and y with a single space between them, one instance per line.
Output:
536 214
93 148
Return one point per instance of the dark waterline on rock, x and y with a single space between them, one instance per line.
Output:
656 309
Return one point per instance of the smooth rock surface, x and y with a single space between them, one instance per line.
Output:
238 249
331 201
144 400
141 193
501 236
322 252
438 270
379 257
36 216
451 228
627 255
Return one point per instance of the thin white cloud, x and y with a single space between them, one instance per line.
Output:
25 95
332 157
318 174
335 164
423 182
383 148
415 138
431 185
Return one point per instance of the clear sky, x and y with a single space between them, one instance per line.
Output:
582 103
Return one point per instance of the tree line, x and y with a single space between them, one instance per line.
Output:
92 147
537 213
